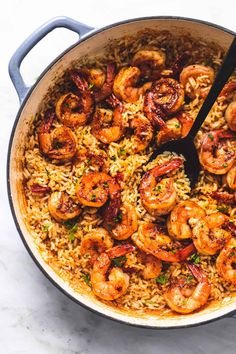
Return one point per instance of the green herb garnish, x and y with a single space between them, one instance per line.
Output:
72 227
105 185
225 165
86 278
223 209
65 104
122 151
119 261
93 198
90 86
47 172
113 158
45 228
195 258
177 125
189 278
162 279
58 145
118 218
211 136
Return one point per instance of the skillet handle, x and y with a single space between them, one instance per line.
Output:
31 41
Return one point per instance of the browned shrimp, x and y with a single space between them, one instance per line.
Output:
110 283
197 80
217 153
152 240
60 143
178 220
231 178
159 197
107 125
174 128
124 84
62 207
75 110
95 76
97 162
230 115
226 261
150 62
183 299
209 235
105 90
95 242
143 133
95 189
125 224
153 265
166 97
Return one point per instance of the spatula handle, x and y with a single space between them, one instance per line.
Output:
222 77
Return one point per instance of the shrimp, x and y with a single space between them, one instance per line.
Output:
159 198
112 285
165 98
95 189
108 126
225 263
62 207
153 266
75 110
143 133
95 242
217 153
178 220
209 235
60 143
125 224
197 80
230 115
105 89
94 161
182 299
152 240
95 76
150 62
174 128
124 84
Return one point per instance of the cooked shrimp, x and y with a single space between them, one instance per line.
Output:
102 92
112 285
150 62
230 115
166 97
95 242
95 189
152 240
94 161
107 125
225 263
183 299
124 84
217 153
224 197
228 91
125 224
152 265
60 143
143 133
95 76
197 80
174 128
209 235
62 207
75 110
178 220
159 197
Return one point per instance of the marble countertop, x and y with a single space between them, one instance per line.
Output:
34 316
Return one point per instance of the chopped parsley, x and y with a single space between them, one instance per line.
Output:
65 104
225 165
118 218
72 227
195 258
105 185
47 172
45 228
90 86
58 145
189 278
113 158
119 261
177 125
232 254
211 136
122 151
162 279
89 160
86 278
93 198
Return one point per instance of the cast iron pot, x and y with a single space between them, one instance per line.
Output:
92 42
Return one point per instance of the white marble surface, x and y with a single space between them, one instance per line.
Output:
34 316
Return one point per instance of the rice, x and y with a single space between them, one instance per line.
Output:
58 243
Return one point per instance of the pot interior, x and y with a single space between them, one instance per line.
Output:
93 46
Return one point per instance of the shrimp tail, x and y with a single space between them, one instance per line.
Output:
168 167
224 197
186 251
197 272
79 81
120 250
